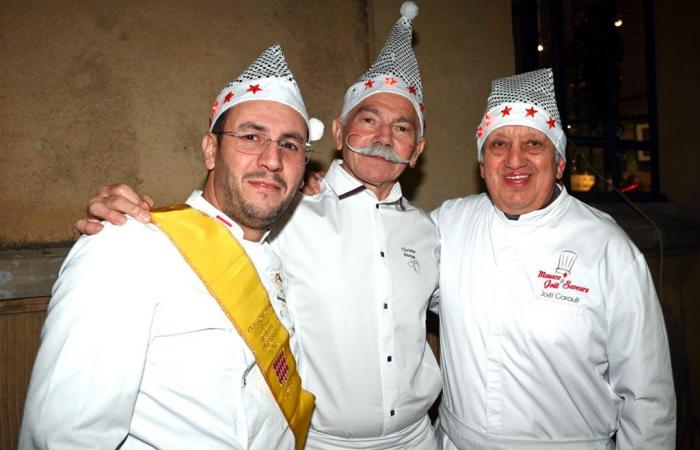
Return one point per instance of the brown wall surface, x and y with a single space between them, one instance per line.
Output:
103 92
678 72
20 323
681 309
96 92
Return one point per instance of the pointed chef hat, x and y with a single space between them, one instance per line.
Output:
395 70
268 78
525 99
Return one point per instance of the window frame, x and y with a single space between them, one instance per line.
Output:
525 16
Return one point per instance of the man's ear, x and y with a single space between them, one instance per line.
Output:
420 146
560 167
210 145
338 133
481 170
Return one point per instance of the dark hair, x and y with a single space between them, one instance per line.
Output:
219 124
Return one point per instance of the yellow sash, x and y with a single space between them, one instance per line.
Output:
229 275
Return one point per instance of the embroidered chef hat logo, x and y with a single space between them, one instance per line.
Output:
394 71
566 262
526 99
267 78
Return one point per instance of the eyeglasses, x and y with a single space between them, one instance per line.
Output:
253 143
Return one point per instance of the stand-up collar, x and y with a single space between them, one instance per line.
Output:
345 185
540 215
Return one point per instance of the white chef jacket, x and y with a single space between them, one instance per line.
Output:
551 332
135 349
361 275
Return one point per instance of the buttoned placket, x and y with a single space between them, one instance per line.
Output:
504 246
385 311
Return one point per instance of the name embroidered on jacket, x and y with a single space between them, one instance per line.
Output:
560 279
410 255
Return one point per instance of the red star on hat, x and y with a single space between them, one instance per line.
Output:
412 90
480 131
505 111
530 112
254 88
369 84
487 120
228 97
390 81
214 107
551 122
422 108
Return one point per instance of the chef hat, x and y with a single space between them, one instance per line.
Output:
268 78
526 99
395 70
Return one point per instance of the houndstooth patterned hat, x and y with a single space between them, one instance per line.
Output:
395 69
526 99
268 78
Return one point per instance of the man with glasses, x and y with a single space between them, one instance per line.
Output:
362 265
193 347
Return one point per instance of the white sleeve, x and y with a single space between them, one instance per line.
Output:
88 369
639 362
434 304
435 215
435 297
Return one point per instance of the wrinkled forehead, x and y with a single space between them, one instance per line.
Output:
390 107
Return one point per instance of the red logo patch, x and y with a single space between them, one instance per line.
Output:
559 279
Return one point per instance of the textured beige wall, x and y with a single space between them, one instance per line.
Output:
101 92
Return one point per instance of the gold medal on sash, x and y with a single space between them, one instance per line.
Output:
229 275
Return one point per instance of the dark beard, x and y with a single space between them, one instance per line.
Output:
247 214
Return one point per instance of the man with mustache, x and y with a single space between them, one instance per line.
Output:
193 347
362 265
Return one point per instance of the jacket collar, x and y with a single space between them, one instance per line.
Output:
345 186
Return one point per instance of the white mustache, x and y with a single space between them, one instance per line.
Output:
378 149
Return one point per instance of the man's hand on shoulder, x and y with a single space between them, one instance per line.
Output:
112 203
312 183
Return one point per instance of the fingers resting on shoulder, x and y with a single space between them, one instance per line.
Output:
312 183
112 203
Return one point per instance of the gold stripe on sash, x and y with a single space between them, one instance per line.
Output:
228 273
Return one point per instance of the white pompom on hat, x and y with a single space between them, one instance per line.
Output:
267 78
527 99
409 10
395 70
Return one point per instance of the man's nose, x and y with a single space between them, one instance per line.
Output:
384 134
516 157
271 157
